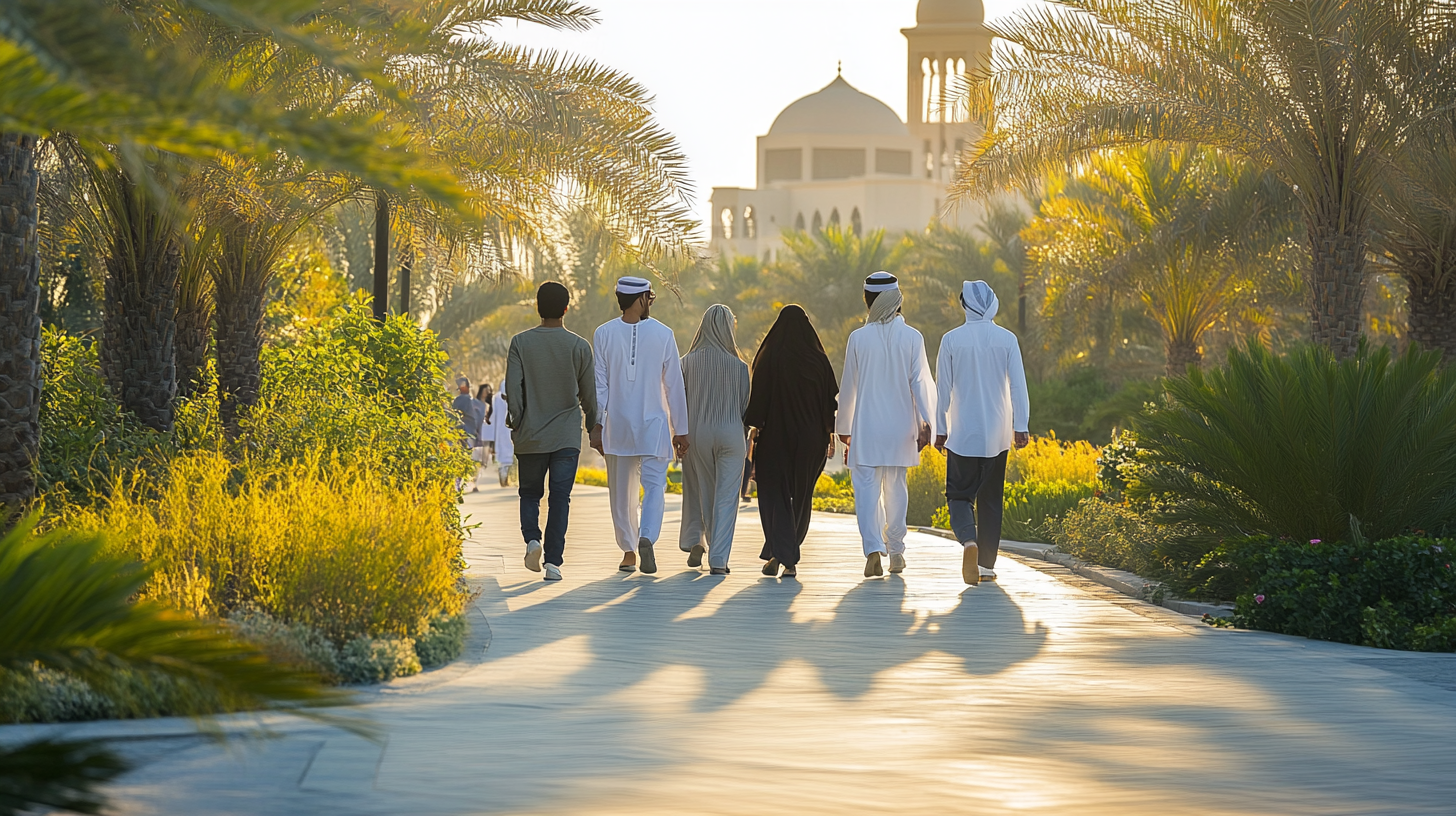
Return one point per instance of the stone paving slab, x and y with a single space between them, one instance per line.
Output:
684 693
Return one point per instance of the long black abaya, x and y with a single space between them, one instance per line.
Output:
792 404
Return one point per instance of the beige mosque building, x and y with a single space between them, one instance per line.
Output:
840 156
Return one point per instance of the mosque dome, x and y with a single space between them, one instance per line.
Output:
839 108
950 11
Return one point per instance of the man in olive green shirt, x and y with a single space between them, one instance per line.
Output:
550 392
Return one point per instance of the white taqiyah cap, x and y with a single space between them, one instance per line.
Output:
632 286
881 282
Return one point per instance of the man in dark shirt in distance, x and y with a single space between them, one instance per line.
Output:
551 395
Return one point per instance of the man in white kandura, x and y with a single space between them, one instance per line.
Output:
644 412
886 405
983 411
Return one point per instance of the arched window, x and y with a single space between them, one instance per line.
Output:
799 222
925 89
750 223
818 222
726 217
834 217
937 93
856 224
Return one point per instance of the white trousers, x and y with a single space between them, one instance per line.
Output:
627 478
881 499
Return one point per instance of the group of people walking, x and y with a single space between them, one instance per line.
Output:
483 430
641 404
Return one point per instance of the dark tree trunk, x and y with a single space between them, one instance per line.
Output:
406 270
239 353
194 324
1432 307
139 326
20 368
1336 286
1181 354
381 257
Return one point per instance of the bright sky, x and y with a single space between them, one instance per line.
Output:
723 69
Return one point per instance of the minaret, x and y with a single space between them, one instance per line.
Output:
949 39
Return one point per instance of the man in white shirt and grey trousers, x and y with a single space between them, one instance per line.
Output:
983 410
644 411
886 405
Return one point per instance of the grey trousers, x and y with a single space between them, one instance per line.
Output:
712 476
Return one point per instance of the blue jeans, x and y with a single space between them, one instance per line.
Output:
536 470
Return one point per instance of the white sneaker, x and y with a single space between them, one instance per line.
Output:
533 556
897 563
553 572
987 574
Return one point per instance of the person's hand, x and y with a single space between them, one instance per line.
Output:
595 440
830 454
680 445
940 443
923 438
845 439
1022 439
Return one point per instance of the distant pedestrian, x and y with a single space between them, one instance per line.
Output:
885 411
644 418
470 418
481 410
550 391
504 450
485 444
983 411
717 385
791 407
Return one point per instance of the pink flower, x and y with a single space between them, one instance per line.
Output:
1258 599
1315 541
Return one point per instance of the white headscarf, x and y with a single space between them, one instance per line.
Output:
888 301
716 331
979 301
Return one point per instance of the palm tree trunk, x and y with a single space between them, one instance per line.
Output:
1432 312
381 257
406 270
20 371
194 321
1181 354
139 329
239 339
1336 285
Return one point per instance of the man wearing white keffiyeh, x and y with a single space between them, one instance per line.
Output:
983 412
886 405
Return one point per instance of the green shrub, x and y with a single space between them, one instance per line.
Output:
338 548
442 641
1305 446
368 393
1398 593
926 484
377 660
39 695
1030 505
834 493
1113 535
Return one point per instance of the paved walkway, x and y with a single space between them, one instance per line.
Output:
686 693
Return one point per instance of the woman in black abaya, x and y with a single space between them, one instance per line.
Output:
791 404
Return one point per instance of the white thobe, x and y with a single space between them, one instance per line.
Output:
643 405
982 389
505 449
885 396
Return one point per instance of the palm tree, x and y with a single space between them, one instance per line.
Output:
19 320
932 266
1185 231
1321 91
1417 233
1002 226
824 272
138 75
